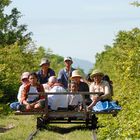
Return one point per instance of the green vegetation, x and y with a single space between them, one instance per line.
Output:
14 61
136 3
120 61
10 31
18 53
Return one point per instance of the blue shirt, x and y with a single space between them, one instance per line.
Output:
42 79
63 77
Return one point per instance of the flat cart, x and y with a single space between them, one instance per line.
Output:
64 115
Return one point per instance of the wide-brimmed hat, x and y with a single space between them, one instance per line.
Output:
96 72
68 58
76 73
25 75
44 61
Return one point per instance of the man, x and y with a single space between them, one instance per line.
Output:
45 72
56 101
65 73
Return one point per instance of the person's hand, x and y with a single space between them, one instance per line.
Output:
91 106
95 98
80 107
28 106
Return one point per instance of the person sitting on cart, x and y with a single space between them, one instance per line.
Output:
74 101
24 81
101 102
82 86
45 71
33 100
48 86
65 73
57 101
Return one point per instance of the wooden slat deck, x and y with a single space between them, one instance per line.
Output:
64 113
28 113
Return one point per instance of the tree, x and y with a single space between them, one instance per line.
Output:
120 62
10 31
14 61
136 3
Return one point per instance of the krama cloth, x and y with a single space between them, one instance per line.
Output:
106 106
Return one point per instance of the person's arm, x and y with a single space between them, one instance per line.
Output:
91 89
53 73
21 88
107 92
94 98
40 88
24 96
60 75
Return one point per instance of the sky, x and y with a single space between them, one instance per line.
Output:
77 28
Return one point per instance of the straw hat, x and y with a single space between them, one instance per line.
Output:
96 72
44 61
76 73
25 75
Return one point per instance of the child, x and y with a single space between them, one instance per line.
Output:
74 101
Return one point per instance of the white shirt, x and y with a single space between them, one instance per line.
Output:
57 100
21 88
75 99
32 89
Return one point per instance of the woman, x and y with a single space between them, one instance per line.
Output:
24 81
99 86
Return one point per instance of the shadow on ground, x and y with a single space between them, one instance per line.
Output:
65 130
